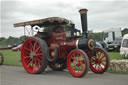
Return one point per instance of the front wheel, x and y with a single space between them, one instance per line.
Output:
100 62
78 63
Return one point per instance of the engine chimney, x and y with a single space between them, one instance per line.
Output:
83 13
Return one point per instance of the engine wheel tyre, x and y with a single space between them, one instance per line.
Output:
33 55
78 63
99 63
1 59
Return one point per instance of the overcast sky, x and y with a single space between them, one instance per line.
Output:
102 14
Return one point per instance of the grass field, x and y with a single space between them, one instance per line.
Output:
115 55
11 57
14 58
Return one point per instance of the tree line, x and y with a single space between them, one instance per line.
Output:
4 42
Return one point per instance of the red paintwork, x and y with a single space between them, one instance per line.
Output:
76 63
98 63
57 38
28 62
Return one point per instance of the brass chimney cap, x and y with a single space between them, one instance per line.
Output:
82 11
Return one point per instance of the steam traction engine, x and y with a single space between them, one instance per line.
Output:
61 45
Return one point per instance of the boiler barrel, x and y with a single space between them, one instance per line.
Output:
86 43
82 43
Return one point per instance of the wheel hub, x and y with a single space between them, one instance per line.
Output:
32 55
78 63
99 60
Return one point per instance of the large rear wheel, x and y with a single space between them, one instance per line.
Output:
33 55
100 62
78 63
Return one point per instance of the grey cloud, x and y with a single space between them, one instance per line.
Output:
101 14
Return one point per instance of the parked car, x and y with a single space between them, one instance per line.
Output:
98 45
17 48
104 45
115 46
124 46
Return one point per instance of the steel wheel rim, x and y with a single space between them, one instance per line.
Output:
77 63
98 63
32 55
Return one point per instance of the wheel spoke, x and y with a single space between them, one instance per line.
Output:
38 60
79 70
28 61
28 65
74 58
27 49
36 50
74 67
104 60
95 66
82 66
99 54
100 66
34 47
93 60
102 57
39 54
30 43
103 63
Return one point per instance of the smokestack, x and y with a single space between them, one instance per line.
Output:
83 13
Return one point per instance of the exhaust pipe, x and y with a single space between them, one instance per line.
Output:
83 13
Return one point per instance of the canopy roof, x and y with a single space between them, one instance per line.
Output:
44 22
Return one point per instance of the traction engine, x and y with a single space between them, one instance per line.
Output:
61 45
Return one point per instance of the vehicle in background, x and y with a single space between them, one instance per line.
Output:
98 45
124 46
115 46
17 48
112 34
103 44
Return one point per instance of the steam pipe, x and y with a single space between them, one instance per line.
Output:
83 14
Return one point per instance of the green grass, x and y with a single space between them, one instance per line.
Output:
115 55
121 72
11 57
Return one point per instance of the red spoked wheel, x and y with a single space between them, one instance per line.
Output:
100 62
78 63
33 55
58 66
